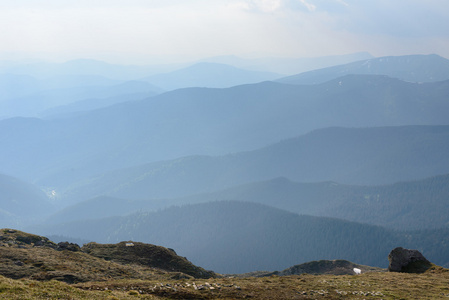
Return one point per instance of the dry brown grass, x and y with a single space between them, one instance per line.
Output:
44 263
146 255
34 267
433 284
376 285
30 289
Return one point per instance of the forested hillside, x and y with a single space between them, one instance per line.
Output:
420 204
239 237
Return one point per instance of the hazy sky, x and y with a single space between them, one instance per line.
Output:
133 31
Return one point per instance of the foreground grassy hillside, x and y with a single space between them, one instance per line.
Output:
28 256
375 285
33 267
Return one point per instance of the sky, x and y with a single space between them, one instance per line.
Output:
148 31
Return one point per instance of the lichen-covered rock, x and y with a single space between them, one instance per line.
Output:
407 261
334 267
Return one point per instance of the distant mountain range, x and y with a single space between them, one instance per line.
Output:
212 75
412 68
27 91
227 168
103 207
210 122
407 205
47 98
285 65
345 155
90 67
395 206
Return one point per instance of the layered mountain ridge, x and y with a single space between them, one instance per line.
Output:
363 142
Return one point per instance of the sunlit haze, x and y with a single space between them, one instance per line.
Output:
156 31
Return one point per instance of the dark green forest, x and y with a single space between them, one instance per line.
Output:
239 237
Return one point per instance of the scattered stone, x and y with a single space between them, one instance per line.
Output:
68 246
407 261
180 275
18 263
40 243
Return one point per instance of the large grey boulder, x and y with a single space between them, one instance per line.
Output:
408 261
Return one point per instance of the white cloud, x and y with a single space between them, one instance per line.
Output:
342 2
308 5
266 6
269 6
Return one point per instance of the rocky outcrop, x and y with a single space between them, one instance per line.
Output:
24 255
146 255
20 239
407 261
334 267
68 246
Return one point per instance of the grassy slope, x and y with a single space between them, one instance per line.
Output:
29 256
431 285
100 282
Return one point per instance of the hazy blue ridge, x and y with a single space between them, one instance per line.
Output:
35 103
362 156
413 68
213 75
21 202
210 122
285 65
